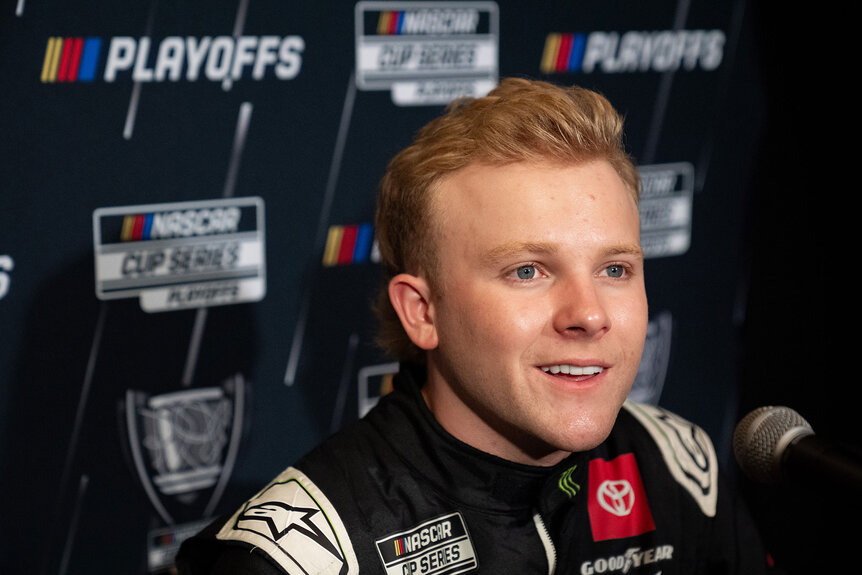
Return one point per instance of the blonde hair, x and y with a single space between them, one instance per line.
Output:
519 121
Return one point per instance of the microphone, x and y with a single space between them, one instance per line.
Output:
774 444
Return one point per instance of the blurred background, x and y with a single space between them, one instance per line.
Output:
187 254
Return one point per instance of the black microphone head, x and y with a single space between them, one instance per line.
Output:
761 438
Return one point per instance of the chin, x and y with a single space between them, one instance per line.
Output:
586 432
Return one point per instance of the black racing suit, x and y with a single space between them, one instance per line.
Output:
395 493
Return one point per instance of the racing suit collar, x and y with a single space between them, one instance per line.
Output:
459 470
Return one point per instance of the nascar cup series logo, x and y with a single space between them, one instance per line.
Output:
184 444
427 52
665 208
441 545
181 255
171 59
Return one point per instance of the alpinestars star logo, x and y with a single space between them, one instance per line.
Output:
280 519
296 525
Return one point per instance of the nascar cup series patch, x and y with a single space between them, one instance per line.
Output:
296 525
437 546
181 255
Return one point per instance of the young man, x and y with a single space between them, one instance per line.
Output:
515 301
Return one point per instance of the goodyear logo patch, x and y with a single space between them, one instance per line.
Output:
441 545
181 255
427 52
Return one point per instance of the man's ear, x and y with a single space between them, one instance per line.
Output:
411 297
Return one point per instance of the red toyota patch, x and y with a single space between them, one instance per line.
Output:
617 504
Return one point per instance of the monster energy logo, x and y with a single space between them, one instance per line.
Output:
566 484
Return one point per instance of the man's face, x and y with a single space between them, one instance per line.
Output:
541 314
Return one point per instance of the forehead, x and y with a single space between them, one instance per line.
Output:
536 201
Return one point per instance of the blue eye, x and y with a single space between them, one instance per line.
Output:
615 271
526 272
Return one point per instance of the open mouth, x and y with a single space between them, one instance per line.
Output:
567 369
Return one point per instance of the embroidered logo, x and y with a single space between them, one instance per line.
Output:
687 450
292 521
566 484
617 503
440 545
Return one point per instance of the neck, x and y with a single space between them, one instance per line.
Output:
480 428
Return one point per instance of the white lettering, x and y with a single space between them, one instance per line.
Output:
266 55
218 60
196 55
245 52
195 222
633 557
6 266
440 22
290 60
659 51
141 73
221 58
169 63
121 55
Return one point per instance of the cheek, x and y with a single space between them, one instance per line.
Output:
479 319
631 314
510 320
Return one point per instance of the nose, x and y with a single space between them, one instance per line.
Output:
581 310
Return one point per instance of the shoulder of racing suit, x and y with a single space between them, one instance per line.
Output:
686 449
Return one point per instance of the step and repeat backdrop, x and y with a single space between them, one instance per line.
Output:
187 256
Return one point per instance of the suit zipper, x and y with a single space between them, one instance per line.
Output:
545 537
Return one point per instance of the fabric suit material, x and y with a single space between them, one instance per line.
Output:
395 493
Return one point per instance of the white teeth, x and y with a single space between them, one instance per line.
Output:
572 369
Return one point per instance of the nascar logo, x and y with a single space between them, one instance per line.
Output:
142 227
440 546
71 59
433 21
611 52
348 245
172 59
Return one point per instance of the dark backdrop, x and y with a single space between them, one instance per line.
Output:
140 397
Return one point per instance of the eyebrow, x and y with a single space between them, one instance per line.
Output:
627 250
513 249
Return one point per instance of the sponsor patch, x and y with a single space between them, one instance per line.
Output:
687 451
439 546
296 525
617 504
633 558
